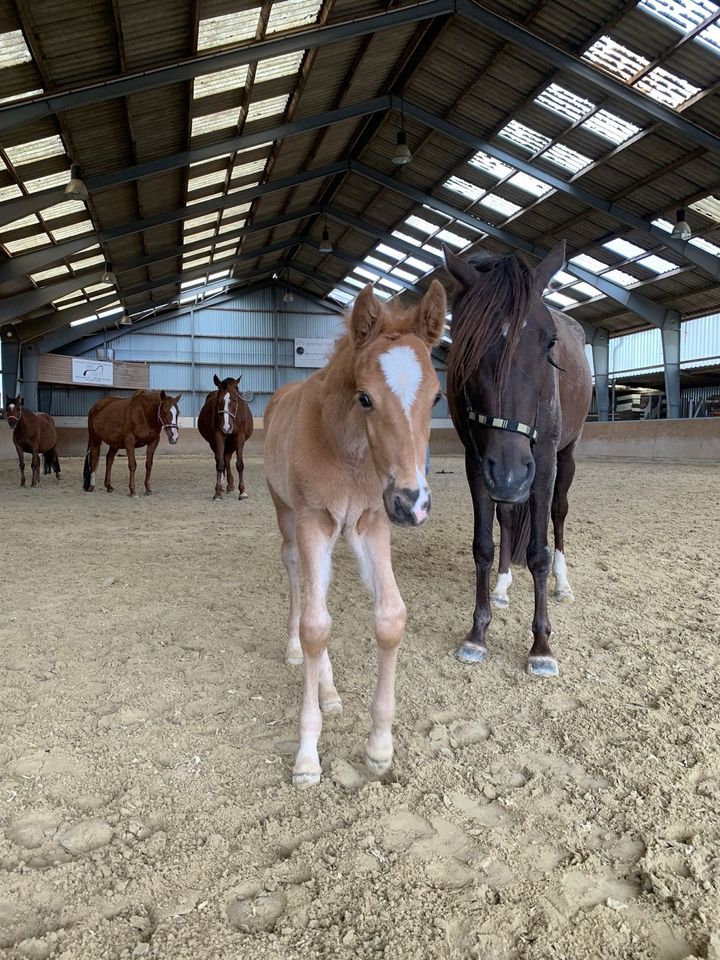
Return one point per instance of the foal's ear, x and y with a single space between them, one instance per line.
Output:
431 314
216 380
365 315
459 269
553 262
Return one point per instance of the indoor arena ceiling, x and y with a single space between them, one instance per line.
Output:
219 138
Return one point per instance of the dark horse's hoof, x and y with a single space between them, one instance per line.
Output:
542 667
470 653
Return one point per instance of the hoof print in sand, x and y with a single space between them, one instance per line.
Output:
258 915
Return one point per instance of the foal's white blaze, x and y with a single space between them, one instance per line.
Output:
403 374
559 569
226 414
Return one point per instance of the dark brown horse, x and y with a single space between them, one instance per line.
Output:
129 423
33 433
226 422
519 390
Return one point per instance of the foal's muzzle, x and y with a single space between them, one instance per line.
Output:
406 507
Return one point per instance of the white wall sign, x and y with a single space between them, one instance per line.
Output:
312 352
95 372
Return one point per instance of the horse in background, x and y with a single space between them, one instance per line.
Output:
344 451
129 423
33 433
226 423
519 390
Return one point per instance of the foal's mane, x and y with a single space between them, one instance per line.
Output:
500 298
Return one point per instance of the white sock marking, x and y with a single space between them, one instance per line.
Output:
501 585
403 374
559 570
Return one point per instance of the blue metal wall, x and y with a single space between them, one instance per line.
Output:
251 335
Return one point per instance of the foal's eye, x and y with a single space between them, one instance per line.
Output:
438 398
364 401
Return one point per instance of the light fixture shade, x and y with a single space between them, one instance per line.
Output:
76 189
288 297
125 320
402 153
108 276
681 230
325 244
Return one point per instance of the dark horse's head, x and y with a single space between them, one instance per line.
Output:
499 367
168 414
228 402
14 407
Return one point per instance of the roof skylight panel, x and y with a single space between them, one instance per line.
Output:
271 107
656 264
98 288
667 88
342 296
73 230
201 235
523 136
10 192
232 28
215 121
705 245
30 221
586 289
69 300
684 16
564 102
499 204
452 238
395 287
35 150
207 179
47 182
610 127
200 221
588 263
231 227
220 275
663 225
614 58
38 91
468 190
79 323
387 251
249 169
406 238
67 209
13 49
220 82
50 274
355 281
565 157
186 284
368 274
290 14
710 36
619 276
374 262
87 260
404 274
623 248
27 243
708 207
495 168
213 196
523 181
560 299
420 224
275 67
422 265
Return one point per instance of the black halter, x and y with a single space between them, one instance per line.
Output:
500 423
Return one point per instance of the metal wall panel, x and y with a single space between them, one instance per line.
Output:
700 341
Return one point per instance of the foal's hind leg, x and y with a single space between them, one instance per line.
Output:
109 460
499 597
565 474
371 544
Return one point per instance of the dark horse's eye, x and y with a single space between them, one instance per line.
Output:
438 398
553 341
364 401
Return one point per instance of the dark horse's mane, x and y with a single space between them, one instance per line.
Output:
502 295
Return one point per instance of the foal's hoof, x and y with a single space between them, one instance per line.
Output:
542 667
242 496
500 601
470 653
378 765
564 596
331 706
306 778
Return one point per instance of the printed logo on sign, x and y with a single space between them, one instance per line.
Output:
96 372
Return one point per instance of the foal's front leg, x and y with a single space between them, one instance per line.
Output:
316 537
473 648
371 544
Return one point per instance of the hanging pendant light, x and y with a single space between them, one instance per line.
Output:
402 154
76 189
108 276
125 320
325 244
681 230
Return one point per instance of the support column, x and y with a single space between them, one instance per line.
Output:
601 364
9 360
30 363
671 360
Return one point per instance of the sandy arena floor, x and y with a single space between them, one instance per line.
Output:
148 725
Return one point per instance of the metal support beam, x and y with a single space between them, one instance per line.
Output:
704 261
671 362
353 262
11 210
524 38
648 310
9 362
40 107
600 343
382 234
18 266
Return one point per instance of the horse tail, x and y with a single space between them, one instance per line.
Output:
48 461
520 533
87 472
56 462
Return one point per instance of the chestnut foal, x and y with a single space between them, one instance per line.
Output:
345 451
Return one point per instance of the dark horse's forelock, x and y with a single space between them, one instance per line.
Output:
502 295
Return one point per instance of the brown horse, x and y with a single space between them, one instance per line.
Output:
345 450
226 422
33 433
519 390
131 423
